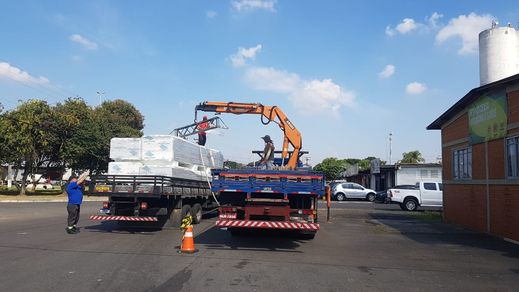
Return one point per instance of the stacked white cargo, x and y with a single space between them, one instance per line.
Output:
162 155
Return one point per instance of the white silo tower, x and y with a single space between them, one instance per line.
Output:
498 53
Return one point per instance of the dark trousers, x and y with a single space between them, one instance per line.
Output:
202 139
73 214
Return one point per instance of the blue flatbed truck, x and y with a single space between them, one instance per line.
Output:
268 199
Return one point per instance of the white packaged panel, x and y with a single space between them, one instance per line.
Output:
157 148
163 170
125 149
124 168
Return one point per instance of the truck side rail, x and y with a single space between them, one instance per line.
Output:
274 181
148 185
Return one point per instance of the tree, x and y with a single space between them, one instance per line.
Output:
70 134
28 133
116 118
412 157
331 167
232 164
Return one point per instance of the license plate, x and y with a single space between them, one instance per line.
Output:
228 216
104 211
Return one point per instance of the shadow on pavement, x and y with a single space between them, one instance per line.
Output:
124 227
437 232
254 240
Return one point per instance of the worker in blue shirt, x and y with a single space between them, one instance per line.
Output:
75 198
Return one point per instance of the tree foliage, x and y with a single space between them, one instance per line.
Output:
412 157
232 164
71 134
333 167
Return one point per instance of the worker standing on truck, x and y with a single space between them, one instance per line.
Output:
268 153
75 198
202 135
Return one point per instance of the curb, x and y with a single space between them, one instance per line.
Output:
51 201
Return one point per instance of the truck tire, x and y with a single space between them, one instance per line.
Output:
196 213
176 216
402 206
370 197
410 204
340 197
307 235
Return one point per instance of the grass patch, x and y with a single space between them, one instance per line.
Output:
14 191
44 192
427 215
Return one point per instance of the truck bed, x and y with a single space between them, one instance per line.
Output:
146 186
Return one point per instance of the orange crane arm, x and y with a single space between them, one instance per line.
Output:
292 136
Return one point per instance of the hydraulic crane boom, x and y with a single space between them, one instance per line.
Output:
271 113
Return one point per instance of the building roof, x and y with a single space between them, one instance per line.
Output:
469 98
419 165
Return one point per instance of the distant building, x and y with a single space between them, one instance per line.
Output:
480 151
388 176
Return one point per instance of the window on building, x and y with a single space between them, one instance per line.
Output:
435 173
512 154
429 186
424 173
462 163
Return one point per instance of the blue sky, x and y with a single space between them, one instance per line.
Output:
346 72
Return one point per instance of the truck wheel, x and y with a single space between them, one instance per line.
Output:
402 206
341 197
176 216
196 213
371 197
307 235
186 210
410 204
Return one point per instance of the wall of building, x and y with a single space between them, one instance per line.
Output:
489 201
412 175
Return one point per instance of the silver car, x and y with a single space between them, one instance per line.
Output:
349 190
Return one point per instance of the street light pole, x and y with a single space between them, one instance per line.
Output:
100 96
390 146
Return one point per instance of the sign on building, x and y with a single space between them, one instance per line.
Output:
488 117
375 166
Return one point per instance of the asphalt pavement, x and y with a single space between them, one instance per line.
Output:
365 247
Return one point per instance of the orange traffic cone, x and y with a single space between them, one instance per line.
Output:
188 243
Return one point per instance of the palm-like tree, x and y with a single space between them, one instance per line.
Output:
412 157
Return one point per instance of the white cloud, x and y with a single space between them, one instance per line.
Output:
407 25
415 88
467 28
11 72
388 71
240 58
270 79
309 96
433 19
88 44
248 5
210 14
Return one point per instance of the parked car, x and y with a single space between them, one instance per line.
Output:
381 196
425 194
349 190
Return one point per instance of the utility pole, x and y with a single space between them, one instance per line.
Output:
390 146
100 96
